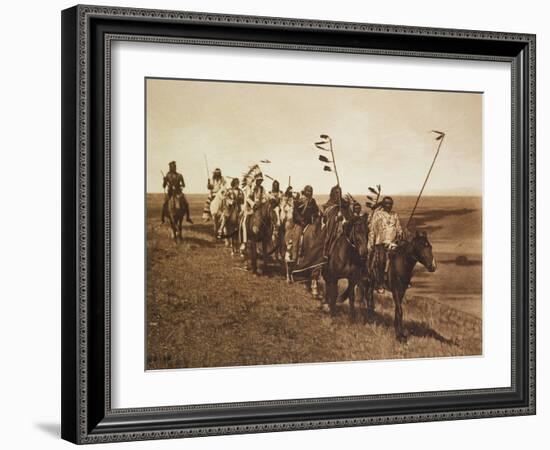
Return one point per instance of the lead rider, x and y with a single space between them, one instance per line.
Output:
384 233
175 183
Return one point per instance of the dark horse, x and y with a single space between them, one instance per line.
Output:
401 265
262 227
346 259
176 211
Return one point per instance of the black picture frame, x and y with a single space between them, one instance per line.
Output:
87 416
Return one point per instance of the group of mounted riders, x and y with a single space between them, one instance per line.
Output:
336 240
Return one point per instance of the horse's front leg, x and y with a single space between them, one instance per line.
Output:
369 297
398 294
330 294
180 228
253 256
315 276
352 313
264 256
289 267
174 229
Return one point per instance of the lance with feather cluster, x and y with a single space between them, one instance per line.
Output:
440 137
326 139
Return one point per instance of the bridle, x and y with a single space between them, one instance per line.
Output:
351 239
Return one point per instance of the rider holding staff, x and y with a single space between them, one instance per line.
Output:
213 185
335 211
384 233
175 183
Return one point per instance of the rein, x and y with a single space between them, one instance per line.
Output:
349 239
352 238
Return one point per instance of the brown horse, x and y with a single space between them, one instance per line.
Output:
305 262
346 260
176 211
401 266
262 227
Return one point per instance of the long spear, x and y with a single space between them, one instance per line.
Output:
440 137
206 165
163 186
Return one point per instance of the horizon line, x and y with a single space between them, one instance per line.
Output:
480 194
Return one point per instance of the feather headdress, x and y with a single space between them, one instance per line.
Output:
250 176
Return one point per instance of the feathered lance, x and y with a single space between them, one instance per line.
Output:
440 137
373 203
328 140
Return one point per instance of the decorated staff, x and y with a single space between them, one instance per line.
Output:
213 185
440 137
330 163
326 139
372 202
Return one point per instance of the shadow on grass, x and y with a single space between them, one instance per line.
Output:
206 228
199 242
412 327
461 263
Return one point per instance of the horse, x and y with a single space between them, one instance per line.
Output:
346 260
231 225
402 262
262 226
216 209
288 237
176 211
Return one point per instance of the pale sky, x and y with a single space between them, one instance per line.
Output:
380 136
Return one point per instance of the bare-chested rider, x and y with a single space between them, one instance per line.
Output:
173 183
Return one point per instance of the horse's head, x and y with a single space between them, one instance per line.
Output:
263 217
356 230
422 250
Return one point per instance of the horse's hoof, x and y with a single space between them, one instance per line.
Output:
402 338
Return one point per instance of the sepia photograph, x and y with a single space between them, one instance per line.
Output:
294 224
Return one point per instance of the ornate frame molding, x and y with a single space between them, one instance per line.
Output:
77 21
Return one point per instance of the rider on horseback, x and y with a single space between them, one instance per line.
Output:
256 196
275 193
335 212
384 233
305 208
213 186
304 212
233 198
356 210
175 183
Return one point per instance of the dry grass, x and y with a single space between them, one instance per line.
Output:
203 310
